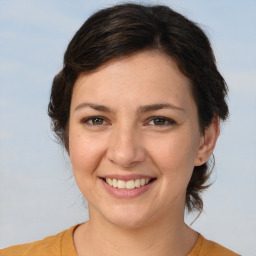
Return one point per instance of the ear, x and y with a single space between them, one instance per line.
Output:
207 142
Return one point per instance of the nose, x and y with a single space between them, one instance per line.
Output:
125 148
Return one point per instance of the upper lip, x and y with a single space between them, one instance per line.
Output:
127 177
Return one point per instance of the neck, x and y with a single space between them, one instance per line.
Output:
159 237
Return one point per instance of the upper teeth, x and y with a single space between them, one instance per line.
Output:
130 184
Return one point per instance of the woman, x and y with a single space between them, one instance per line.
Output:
137 106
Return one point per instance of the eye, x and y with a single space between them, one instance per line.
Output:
161 121
94 121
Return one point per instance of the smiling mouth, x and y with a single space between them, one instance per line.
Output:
129 184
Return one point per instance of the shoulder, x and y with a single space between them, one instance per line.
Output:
210 248
52 245
49 245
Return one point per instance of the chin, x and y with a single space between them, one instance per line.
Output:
128 217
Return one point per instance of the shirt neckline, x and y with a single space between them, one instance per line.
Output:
68 246
67 242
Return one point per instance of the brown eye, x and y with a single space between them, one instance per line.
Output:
162 121
159 121
94 121
97 121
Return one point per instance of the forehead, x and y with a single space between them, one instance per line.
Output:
145 77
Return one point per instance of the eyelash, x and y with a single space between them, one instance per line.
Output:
168 120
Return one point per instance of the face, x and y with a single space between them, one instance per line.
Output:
134 139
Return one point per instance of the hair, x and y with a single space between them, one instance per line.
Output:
129 28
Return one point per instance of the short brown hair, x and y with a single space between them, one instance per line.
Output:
129 28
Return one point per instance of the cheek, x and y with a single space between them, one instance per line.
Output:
174 156
85 152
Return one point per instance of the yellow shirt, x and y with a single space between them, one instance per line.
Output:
62 245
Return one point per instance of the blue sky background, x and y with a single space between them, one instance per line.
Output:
38 196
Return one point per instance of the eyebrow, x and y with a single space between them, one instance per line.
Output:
142 109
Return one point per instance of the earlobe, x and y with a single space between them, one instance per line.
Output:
208 142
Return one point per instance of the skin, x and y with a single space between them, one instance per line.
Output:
127 142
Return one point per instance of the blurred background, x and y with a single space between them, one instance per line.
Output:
38 195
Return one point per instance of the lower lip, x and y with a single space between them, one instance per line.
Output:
127 193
